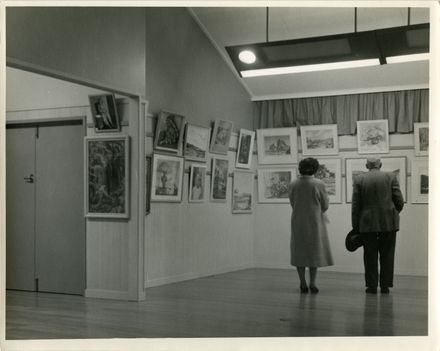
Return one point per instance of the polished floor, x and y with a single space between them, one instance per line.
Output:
247 303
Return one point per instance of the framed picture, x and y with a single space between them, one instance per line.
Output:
104 113
221 136
245 148
148 170
373 137
330 173
243 192
197 182
166 185
356 166
421 139
106 177
319 140
196 143
273 184
219 179
419 181
169 132
277 145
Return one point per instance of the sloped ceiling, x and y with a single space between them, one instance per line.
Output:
227 26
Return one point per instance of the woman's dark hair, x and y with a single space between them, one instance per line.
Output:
308 166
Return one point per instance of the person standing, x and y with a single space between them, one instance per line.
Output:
309 244
375 207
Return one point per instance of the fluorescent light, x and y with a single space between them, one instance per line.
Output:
310 68
247 56
408 58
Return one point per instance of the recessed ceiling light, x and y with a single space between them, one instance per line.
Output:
247 56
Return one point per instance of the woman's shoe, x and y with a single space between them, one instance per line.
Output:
314 290
304 289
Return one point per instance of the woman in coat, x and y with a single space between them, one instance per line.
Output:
309 245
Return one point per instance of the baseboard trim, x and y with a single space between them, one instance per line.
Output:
107 294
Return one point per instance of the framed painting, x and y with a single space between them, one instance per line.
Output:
421 139
219 179
277 145
273 184
104 113
197 182
419 181
319 139
221 136
169 132
356 166
245 148
106 177
196 143
329 172
167 176
372 137
243 192
148 169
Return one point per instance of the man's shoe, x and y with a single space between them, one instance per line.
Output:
371 290
384 290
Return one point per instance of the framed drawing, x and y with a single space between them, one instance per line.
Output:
196 192
243 192
319 139
245 148
169 132
330 173
373 136
273 184
421 139
196 143
104 113
419 181
167 174
356 166
277 145
106 177
148 169
221 136
219 179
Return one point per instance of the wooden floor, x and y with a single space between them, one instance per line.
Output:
247 303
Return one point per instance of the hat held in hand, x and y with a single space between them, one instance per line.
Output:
353 241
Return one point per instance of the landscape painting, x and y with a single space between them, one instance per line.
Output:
419 181
421 139
219 179
319 140
245 148
221 136
167 178
329 172
196 143
373 136
273 184
277 145
169 132
243 192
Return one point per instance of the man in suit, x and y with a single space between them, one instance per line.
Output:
376 204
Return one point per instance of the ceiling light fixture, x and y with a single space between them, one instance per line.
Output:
247 56
408 58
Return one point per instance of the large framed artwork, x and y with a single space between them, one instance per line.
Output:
104 113
148 173
243 192
221 136
373 137
197 182
166 185
196 143
245 148
169 132
319 139
106 177
273 184
356 166
277 145
219 179
421 139
329 172
419 181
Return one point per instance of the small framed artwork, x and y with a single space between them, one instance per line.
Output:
167 174
219 179
243 192
356 166
169 132
421 139
329 172
277 145
104 113
319 139
373 137
221 136
196 192
419 181
148 170
196 143
245 148
273 184
106 177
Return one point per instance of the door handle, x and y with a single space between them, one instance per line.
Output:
29 179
